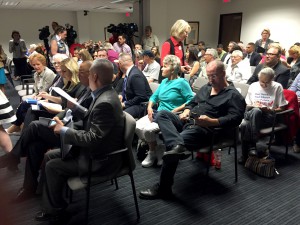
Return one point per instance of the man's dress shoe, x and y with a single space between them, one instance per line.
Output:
156 192
42 216
59 218
23 195
178 152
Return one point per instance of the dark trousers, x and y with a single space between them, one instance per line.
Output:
254 120
136 111
174 132
32 115
21 66
21 113
33 143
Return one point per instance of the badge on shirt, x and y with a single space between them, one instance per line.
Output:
179 48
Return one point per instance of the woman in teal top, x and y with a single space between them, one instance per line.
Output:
172 95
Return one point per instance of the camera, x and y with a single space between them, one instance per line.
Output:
44 33
71 34
123 28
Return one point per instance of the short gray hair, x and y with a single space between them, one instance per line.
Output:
238 53
104 70
269 72
174 62
213 52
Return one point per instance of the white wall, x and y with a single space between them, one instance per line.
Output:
281 17
28 22
163 15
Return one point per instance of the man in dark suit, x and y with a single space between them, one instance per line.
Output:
254 57
102 133
37 139
282 73
136 88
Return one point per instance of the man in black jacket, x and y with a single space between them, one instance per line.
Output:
282 73
254 57
135 89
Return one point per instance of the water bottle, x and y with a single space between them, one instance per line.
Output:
218 156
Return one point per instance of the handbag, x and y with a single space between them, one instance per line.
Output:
264 167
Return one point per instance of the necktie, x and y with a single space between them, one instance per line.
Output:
248 56
124 88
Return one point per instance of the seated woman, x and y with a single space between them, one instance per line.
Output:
156 53
71 85
294 53
263 99
43 78
295 86
193 63
172 95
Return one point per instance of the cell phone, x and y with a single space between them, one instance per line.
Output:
51 123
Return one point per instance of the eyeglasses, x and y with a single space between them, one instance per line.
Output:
56 63
213 76
270 54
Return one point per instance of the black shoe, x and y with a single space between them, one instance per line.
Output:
242 160
60 218
42 216
9 160
156 192
178 152
23 195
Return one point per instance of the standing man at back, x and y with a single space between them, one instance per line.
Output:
149 40
135 89
121 47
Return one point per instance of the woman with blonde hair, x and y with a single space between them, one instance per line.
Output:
294 54
84 55
264 42
174 45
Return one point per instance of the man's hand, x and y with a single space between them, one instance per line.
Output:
58 126
205 121
184 116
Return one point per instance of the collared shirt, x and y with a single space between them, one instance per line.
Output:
165 50
228 106
149 42
240 72
19 50
122 48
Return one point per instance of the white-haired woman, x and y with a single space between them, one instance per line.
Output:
172 95
264 98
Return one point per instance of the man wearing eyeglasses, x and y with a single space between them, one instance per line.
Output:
282 73
217 104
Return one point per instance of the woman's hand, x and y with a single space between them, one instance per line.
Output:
43 94
150 114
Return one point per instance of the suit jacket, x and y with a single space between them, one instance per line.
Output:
255 59
137 88
103 130
282 74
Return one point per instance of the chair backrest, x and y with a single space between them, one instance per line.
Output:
242 88
199 82
8 65
128 137
153 86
